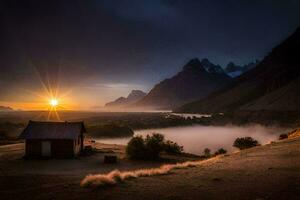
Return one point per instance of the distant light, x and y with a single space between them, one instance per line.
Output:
53 102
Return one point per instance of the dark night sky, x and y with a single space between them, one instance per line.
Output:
102 49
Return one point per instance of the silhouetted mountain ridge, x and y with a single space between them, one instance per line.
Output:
5 108
273 85
191 83
234 70
210 67
132 97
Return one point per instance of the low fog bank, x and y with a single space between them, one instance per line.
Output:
130 109
196 138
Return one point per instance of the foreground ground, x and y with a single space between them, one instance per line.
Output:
267 172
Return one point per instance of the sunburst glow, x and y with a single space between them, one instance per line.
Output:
53 102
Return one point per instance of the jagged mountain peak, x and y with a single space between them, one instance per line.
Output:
211 67
193 65
203 66
193 82
205 61
235 70
134 94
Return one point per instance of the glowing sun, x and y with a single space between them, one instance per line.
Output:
53 102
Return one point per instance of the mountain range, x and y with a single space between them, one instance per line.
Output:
134 96
234 70
211 68
273 86
5 108
196 80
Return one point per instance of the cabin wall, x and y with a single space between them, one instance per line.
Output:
62 148
33 148
59 148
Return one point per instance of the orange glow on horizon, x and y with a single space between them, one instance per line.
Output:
44 101
39 104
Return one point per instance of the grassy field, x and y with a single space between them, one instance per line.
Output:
266 172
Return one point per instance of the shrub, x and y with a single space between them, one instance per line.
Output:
172 147
220 151
150 147
283 136
245 143
206 152
154 145
135 148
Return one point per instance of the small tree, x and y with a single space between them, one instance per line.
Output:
245 143
220 151
207 152
135 148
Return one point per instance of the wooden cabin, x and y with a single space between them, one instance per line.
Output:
53 139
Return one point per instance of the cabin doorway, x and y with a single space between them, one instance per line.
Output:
46 148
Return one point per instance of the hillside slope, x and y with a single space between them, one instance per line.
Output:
266 172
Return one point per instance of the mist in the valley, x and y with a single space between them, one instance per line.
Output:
195 138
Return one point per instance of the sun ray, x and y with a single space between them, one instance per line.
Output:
40 78
52 95
48 116
57 115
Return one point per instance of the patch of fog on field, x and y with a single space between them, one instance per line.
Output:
195 138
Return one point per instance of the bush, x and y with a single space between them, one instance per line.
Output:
220 151
135 148
154 145
206 152
245 143
172 147
283 136
150 148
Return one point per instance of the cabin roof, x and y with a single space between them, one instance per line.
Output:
52 130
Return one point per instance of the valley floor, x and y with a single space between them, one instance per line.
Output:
267 172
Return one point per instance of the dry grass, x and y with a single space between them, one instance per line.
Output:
294 134
116 176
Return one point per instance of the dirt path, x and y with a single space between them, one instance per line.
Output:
267 172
